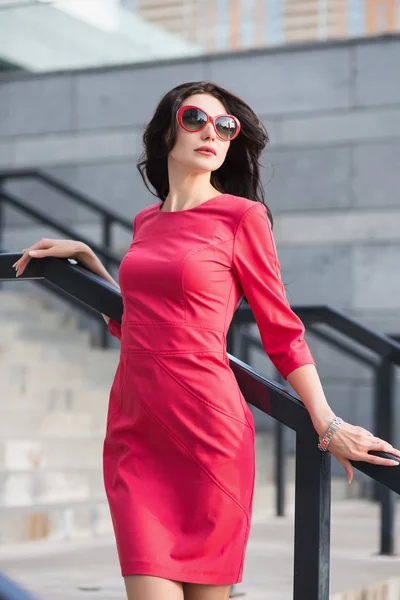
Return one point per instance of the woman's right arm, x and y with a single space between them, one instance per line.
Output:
65 249
88 259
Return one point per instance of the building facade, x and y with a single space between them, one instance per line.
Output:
237 24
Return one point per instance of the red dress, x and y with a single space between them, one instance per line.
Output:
179 447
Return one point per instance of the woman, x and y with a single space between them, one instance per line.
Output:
179 446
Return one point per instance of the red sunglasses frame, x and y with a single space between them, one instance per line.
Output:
182 109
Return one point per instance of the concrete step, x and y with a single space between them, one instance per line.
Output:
73 519
21 421
16 370
77 396
34 453
25 378
32 487
38 316
40 383
18 301
21 351
44 332
96 355
51 368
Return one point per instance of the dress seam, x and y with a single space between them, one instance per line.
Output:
168 323
169 352
178 441
242 218
213 406
196 251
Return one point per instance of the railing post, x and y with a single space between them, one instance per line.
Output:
231 338
312 519
383 422
280 464
2 206
244 345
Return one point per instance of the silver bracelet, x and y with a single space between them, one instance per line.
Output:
326 440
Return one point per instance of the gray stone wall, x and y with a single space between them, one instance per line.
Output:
331 171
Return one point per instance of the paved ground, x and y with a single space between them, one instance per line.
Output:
88 570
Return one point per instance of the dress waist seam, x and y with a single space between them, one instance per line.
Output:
140 351
169 324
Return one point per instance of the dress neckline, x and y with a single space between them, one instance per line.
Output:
186 210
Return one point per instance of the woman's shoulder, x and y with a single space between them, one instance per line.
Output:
239 205
145 211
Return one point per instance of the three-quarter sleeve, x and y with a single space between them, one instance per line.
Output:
257 268
114 328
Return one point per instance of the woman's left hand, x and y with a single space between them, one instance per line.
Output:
351 442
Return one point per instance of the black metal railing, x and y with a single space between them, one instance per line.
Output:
313 467
107 218
387 357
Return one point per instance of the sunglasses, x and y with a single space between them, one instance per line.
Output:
193 118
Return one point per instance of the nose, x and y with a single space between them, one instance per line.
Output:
209 131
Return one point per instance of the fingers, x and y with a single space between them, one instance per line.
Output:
21 264
39 253
358 444
378 460
384 446
348 467
378 445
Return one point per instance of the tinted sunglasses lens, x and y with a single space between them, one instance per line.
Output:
226 127
193 119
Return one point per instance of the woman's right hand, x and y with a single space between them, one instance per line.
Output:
49 247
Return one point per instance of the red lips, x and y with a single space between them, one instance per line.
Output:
206 149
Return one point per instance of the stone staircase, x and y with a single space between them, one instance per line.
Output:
53 400
54 389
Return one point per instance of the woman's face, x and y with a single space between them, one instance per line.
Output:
184 151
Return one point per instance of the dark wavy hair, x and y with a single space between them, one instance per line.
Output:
239 174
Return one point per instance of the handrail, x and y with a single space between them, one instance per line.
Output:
60 186
108 218
85 286
383 345
312 498
42 217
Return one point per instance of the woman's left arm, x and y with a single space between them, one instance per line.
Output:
256 265
349 441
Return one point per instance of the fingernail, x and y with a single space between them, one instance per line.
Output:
32 253
395 463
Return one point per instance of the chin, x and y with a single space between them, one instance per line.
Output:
202 165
